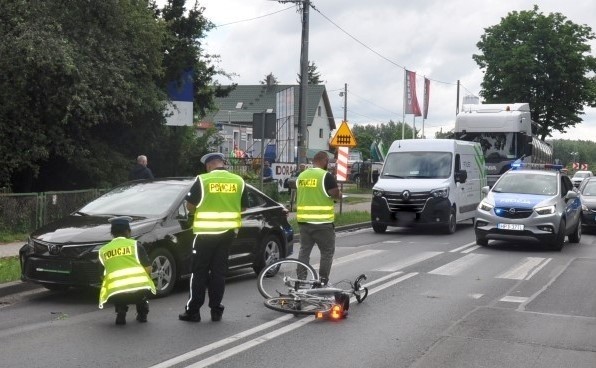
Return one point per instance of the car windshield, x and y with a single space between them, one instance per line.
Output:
527 183
418 165
580 175
589 189
151 199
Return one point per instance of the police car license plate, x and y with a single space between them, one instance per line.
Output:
517 227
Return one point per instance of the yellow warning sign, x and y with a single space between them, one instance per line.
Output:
343 137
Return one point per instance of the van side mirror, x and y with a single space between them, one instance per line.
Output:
528 146
485 190
461 176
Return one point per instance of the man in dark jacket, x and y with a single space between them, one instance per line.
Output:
140 170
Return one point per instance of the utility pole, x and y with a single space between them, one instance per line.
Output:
346 102
302 127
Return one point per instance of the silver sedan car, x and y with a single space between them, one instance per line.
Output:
530 204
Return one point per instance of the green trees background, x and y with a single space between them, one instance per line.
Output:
82 91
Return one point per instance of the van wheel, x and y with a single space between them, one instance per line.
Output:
163 271
483 242
451 223
379 228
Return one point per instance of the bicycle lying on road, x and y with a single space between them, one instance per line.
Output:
292 286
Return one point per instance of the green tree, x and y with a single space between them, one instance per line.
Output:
543 60
314 77
270 79
369 133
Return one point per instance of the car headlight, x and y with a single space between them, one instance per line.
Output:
548 210
485 206
585 208
378 193
440 193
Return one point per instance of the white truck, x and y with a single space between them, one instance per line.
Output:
504 132
430 182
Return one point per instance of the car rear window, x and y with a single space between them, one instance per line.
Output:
150 199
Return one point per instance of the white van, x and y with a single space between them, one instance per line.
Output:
428 181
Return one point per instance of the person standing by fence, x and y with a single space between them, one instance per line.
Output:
140 170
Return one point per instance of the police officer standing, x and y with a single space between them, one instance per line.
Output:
316 212
217 199
127 272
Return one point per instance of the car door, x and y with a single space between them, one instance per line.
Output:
245 244
572 206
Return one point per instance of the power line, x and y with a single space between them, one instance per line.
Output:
255 18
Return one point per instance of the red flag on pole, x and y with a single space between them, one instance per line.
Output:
426 97
412 106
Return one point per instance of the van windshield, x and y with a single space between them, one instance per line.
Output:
418 165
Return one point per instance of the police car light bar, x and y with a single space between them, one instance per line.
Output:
524 165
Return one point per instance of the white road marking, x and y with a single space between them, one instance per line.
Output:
458 266
462 247
471 249
392 241
476 296
525 269
352 257
514 299
408 261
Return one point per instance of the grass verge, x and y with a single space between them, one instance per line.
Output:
10 269
6 237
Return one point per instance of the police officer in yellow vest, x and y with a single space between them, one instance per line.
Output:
217 199
316 212
127 272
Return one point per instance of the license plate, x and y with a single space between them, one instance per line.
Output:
517 227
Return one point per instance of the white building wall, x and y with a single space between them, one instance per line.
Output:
315 141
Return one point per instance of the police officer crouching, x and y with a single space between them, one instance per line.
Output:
217 199
127 271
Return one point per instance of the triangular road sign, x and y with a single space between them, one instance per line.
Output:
343 137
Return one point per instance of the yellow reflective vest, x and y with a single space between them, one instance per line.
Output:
220 207
123 272
314 205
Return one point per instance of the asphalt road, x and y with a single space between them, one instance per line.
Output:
435 301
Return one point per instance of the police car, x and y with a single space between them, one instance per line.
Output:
530 202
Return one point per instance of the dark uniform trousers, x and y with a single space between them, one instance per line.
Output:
139 297
209 268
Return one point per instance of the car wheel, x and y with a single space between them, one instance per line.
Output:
379 228
576 236
557 243
269 252
163 271
451 223
483 242
56 287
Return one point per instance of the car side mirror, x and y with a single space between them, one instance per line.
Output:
485 190
571 194
461 176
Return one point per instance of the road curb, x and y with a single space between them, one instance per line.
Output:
15 287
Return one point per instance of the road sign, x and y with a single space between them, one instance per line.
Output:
343 137
584 166
575 166
342 163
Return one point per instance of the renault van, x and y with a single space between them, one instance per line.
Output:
428 182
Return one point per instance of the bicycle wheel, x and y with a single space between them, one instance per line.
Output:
288 304
280 277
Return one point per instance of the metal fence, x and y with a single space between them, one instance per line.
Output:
24 212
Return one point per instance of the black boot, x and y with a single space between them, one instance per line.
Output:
142 311
216 313
190 317
121 314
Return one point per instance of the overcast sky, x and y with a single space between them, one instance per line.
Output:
377 39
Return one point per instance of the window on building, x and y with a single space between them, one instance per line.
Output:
319 111
320 133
